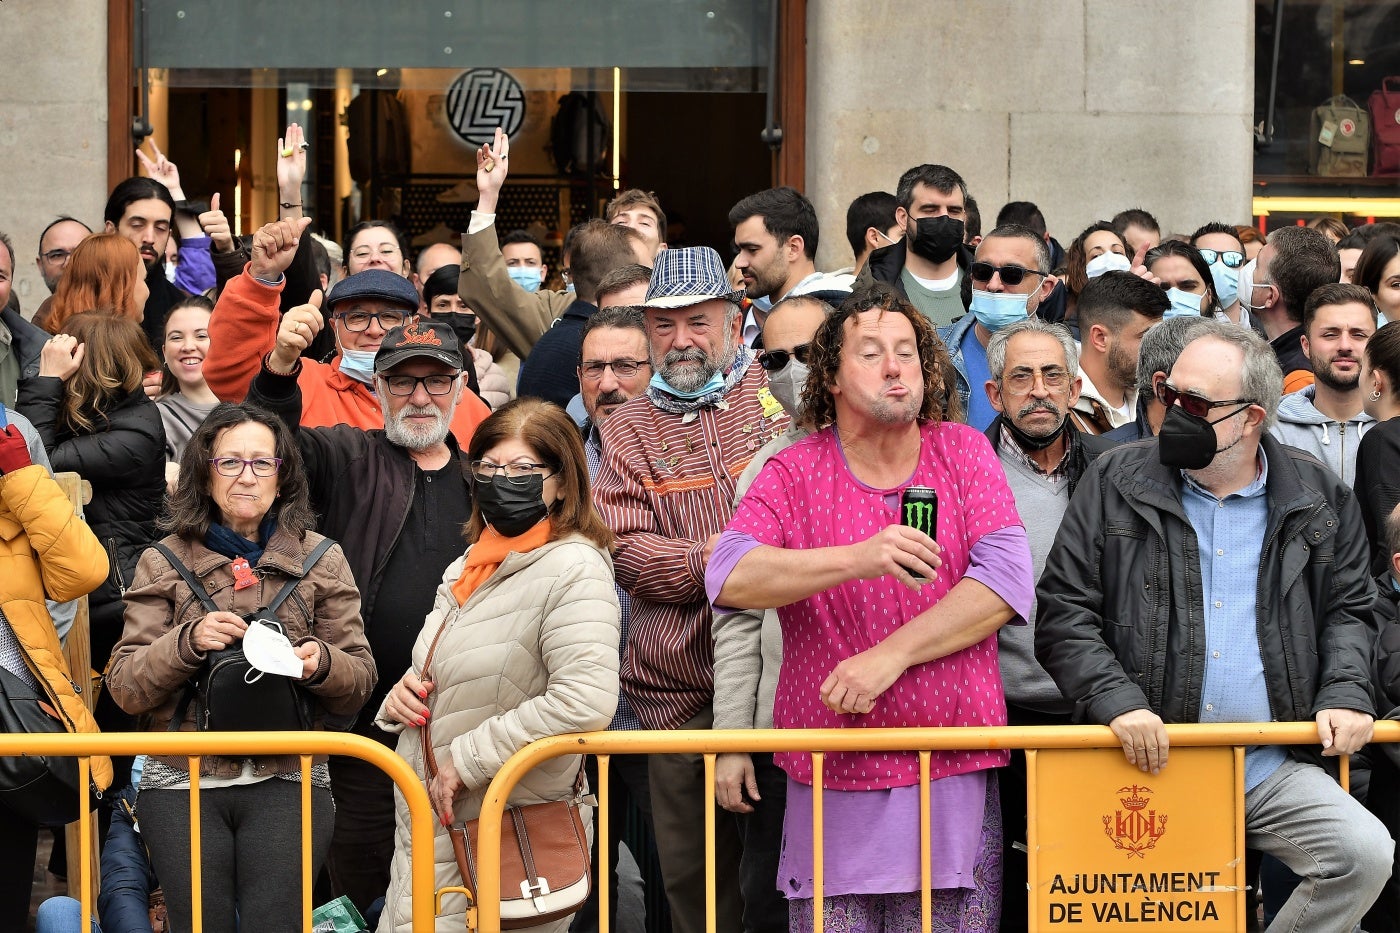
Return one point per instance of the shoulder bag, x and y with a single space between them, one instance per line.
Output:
545 867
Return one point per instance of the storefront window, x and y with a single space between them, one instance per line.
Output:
1327 110
393 106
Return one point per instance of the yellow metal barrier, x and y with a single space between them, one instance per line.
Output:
241 744
816 742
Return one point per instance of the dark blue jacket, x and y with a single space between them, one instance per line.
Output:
127 879
551 370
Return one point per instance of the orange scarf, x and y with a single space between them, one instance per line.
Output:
488 552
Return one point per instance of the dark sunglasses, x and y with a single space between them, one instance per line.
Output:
982 273
774 360
1232 258
1199 407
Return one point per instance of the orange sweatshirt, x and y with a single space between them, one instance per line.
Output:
243 330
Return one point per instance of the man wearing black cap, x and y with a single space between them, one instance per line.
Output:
396 499
245 332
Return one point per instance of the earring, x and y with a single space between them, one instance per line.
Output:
1376 395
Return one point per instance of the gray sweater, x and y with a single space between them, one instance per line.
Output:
1335 443
1042 504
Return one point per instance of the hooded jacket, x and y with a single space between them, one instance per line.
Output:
1335 443
46 548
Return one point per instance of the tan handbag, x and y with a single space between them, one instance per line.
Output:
545 868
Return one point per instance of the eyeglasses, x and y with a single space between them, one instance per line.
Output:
57 255
774 360
517 473
1197 406
435 384
356 321
982 273
386 251
1021 380
594 369
233 467
1233 259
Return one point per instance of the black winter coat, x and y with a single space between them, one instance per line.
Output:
1120 624
124 461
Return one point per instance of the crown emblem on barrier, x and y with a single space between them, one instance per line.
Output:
1135 828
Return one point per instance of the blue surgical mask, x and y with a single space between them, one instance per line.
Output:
527 277
714 385
569 288
358 365
995 310
1107 262
1227 283
1183 304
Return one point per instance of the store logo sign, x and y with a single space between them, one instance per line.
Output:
482 99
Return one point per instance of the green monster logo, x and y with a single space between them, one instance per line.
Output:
921 515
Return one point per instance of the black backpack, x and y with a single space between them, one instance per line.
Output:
234 696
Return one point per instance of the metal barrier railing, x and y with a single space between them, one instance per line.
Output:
196 744
485 917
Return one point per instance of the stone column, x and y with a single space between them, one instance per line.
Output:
53 125
1085 107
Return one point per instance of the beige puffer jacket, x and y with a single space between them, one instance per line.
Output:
532 654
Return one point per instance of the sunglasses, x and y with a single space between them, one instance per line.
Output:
982 273
1232 259
1197 406
774 360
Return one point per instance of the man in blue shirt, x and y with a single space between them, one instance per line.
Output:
1214 575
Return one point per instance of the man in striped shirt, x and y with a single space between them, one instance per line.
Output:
666 487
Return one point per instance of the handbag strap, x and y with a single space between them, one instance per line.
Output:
429 759
312 560
188 576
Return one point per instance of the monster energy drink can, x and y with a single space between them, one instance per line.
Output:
918 508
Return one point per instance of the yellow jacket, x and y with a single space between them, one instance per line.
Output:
46 548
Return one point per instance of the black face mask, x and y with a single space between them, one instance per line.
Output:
936 239
1186 442
1028 443
510 508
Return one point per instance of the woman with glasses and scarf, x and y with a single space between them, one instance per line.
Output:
523 640
240 523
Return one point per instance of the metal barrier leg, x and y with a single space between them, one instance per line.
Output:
196 858
85 842
605 868
925 845
306 842
710 908
818 844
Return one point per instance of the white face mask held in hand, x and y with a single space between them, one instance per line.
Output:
269 651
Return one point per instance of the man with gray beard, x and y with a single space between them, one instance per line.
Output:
666 488
396 499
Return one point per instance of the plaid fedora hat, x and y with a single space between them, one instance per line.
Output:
688 276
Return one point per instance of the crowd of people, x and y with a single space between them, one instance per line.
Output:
467 493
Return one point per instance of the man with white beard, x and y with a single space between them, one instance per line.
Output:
396 499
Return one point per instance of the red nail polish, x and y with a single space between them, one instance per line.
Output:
427 713
422 694
420 721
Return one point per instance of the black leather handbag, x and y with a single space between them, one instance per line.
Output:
41 788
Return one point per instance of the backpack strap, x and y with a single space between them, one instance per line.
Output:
190 579
312 560
187 695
